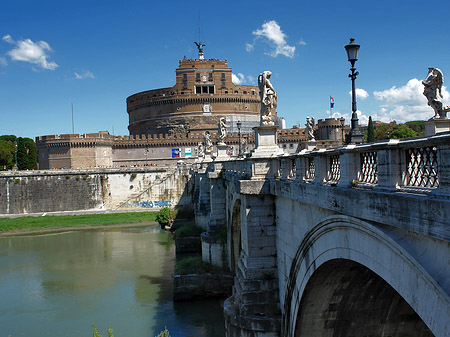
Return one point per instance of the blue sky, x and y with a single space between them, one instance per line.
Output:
97 53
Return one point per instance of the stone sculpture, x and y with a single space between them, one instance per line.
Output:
208 142
200 150
268 99
432 91
310 128
222 131
244 145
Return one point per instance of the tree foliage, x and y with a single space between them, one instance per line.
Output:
370 131
164 215
384 131
400 131
7 150
26 154
417 126
403 131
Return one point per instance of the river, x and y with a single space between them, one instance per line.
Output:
58 284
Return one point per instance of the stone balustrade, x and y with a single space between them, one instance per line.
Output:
418 165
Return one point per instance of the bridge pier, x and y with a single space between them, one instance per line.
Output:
214 239
253 309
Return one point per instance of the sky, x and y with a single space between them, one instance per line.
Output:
95 54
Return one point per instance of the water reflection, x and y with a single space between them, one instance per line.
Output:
57 285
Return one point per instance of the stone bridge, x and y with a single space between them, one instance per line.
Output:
351 241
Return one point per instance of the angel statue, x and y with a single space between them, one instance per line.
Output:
207 141
268 98
432 91
310 128
222 132
200 150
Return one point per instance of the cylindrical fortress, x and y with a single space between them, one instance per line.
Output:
203 93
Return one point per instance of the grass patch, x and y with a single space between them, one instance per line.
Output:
189 230
195 265
42 222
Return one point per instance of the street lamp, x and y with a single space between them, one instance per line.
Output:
239 124
355 135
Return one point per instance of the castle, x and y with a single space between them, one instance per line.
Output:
166 125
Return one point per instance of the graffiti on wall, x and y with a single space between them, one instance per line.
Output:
148 204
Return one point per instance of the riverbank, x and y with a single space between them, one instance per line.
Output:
57 223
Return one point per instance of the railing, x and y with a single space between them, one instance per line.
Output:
422 167
368 173
398 165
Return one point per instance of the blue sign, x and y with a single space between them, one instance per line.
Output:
176 153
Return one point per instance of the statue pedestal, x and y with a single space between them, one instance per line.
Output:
437 125
266 142
222 152
208 157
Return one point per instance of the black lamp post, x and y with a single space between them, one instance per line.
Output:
239 124
355 135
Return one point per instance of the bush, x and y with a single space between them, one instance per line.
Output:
133 176
195 265
189 230
165 215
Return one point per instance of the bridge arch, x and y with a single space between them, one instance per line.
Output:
341 244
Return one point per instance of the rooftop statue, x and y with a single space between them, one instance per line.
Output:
310 128
268 98
222 131
200 49
432 91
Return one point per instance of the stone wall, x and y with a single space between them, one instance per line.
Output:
104 189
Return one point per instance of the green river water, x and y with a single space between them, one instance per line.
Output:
58 284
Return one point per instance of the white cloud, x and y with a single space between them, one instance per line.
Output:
3 62
301 43
271 33
87 74
240 78
407 103
360 94
32 52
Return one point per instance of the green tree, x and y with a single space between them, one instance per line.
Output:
417 126
384 131
26 154
403 131
9 138
370 131
7 151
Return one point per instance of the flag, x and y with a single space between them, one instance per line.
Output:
331 102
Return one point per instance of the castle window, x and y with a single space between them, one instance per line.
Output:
223 84
204 89
197 77
223 76
210 77
184 77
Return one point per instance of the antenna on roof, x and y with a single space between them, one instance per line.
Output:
199 44
73 129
